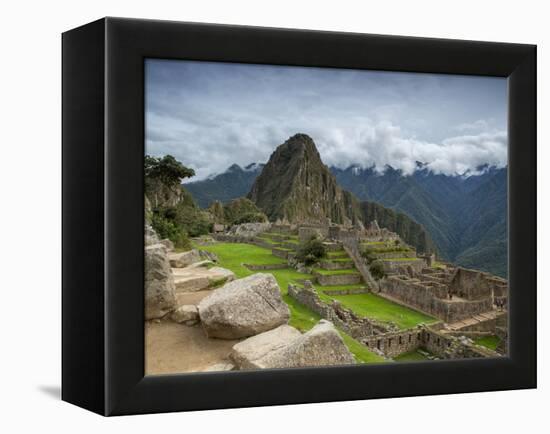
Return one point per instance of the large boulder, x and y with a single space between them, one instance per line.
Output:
184 259
244 307
159 284
247 353
320 346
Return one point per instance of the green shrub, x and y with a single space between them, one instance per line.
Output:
311 251
377 270
251 217
243 210
167 229
368 255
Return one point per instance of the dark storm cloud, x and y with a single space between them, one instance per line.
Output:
211 115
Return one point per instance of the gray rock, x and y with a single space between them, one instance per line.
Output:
184 259
246 353
244 307
321 346
168 244
208 255
151 236
159 284
186 314
249 230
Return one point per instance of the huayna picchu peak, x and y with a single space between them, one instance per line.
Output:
296 186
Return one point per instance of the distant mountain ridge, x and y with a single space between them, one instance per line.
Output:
235 182
465 216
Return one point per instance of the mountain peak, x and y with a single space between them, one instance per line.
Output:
300 142
296 186
234 168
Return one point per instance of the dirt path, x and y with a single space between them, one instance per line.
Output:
172 348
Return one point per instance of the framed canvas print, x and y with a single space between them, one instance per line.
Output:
257 216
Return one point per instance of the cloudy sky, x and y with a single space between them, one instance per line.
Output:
210 115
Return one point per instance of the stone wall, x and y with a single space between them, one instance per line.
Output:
281 253
444 346
306 233
395 267
351 246
255 267
344 319
393 344
337 279
389 255
475 285
429 298
353 291
339 265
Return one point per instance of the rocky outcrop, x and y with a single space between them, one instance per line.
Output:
159 283
151 236
184 259
320 346
187 314
248 353
244 307
248 230
296 186
168 244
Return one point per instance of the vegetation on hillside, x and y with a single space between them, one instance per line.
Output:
311 251
242 210
377 270
173 213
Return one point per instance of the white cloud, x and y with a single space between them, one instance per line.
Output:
210 116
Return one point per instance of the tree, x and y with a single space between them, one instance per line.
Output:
311 251
166 169
377 270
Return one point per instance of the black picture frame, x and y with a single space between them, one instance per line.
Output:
103 151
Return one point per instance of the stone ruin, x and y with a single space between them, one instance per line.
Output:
451 295
343 318
466 301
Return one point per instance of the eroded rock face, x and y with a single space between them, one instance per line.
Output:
247 353
244 307
184 259
168 244
186 314
159 283
249 230
151 236
321 346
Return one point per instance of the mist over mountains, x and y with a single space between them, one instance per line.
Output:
465 216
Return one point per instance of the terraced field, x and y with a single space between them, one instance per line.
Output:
233 256
354 296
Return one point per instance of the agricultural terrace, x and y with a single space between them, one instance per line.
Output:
233 256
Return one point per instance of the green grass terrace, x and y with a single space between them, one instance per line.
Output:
233 255
373 306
